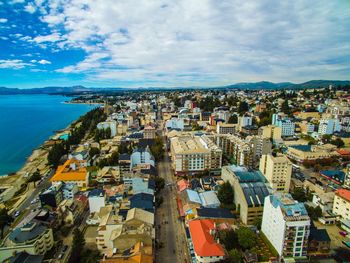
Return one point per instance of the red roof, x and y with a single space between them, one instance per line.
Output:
343 152
182 185
343 193
203 242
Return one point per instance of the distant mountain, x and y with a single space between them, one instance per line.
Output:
322 83
242 85
260 85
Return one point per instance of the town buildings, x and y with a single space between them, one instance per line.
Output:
286 225
277 170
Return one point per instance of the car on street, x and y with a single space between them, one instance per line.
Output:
17 213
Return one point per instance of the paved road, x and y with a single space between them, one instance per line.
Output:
172 232
39 187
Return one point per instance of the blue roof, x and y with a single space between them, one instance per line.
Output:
254 193
252 176
214 213
336 175
143 201
193 196
97 192
304 148
288 204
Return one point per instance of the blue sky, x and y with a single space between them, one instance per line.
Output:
142 43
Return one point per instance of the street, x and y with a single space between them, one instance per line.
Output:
171 232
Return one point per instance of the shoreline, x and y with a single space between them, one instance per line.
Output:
78 102
36 160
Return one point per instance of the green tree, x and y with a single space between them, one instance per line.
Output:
157 148
246 237
243 107
160 183
77 246
338 142
233 119
56 153
314 212
285 107
229 239
299 194
234 256
35 177
5 219
225 193
257 222
94 151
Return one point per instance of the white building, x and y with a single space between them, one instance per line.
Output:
341 204
141 156
175 124
287 126
329 126
108 124
97 199
244 121
69 190
286 225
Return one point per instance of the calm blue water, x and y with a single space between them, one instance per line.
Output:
26 121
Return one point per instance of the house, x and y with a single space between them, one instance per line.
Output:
72 171
141 156
108 174
33 238
70 210
137 185
69 190
97 199
218 215
52 196
182 185
319 242
143 201
206 248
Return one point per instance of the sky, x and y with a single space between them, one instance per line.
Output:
165 43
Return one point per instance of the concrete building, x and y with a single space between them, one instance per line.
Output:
244 121
286 125
33 238
286 225
249 191
97 199
141 156
108 124
301 153
226 128
277 170
272 132
149 132
329 126
341 204
175 124
193 154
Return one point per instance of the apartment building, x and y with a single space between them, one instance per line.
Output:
286 125
249 191
328 126
286 225
226 128
301 153
149 132
193 154
111 124
341 203
33 238
272 132
277 170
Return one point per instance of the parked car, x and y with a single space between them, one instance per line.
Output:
17 213
343 233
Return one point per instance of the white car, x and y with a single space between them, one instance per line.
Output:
17 213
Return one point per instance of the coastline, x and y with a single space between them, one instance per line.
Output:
82 102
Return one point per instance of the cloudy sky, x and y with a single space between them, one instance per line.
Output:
134 43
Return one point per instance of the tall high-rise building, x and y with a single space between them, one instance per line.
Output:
286 225
277 170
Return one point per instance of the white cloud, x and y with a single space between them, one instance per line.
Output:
48 38
17 1
33 61
13 63
44 62
3 20
187 41
30 8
